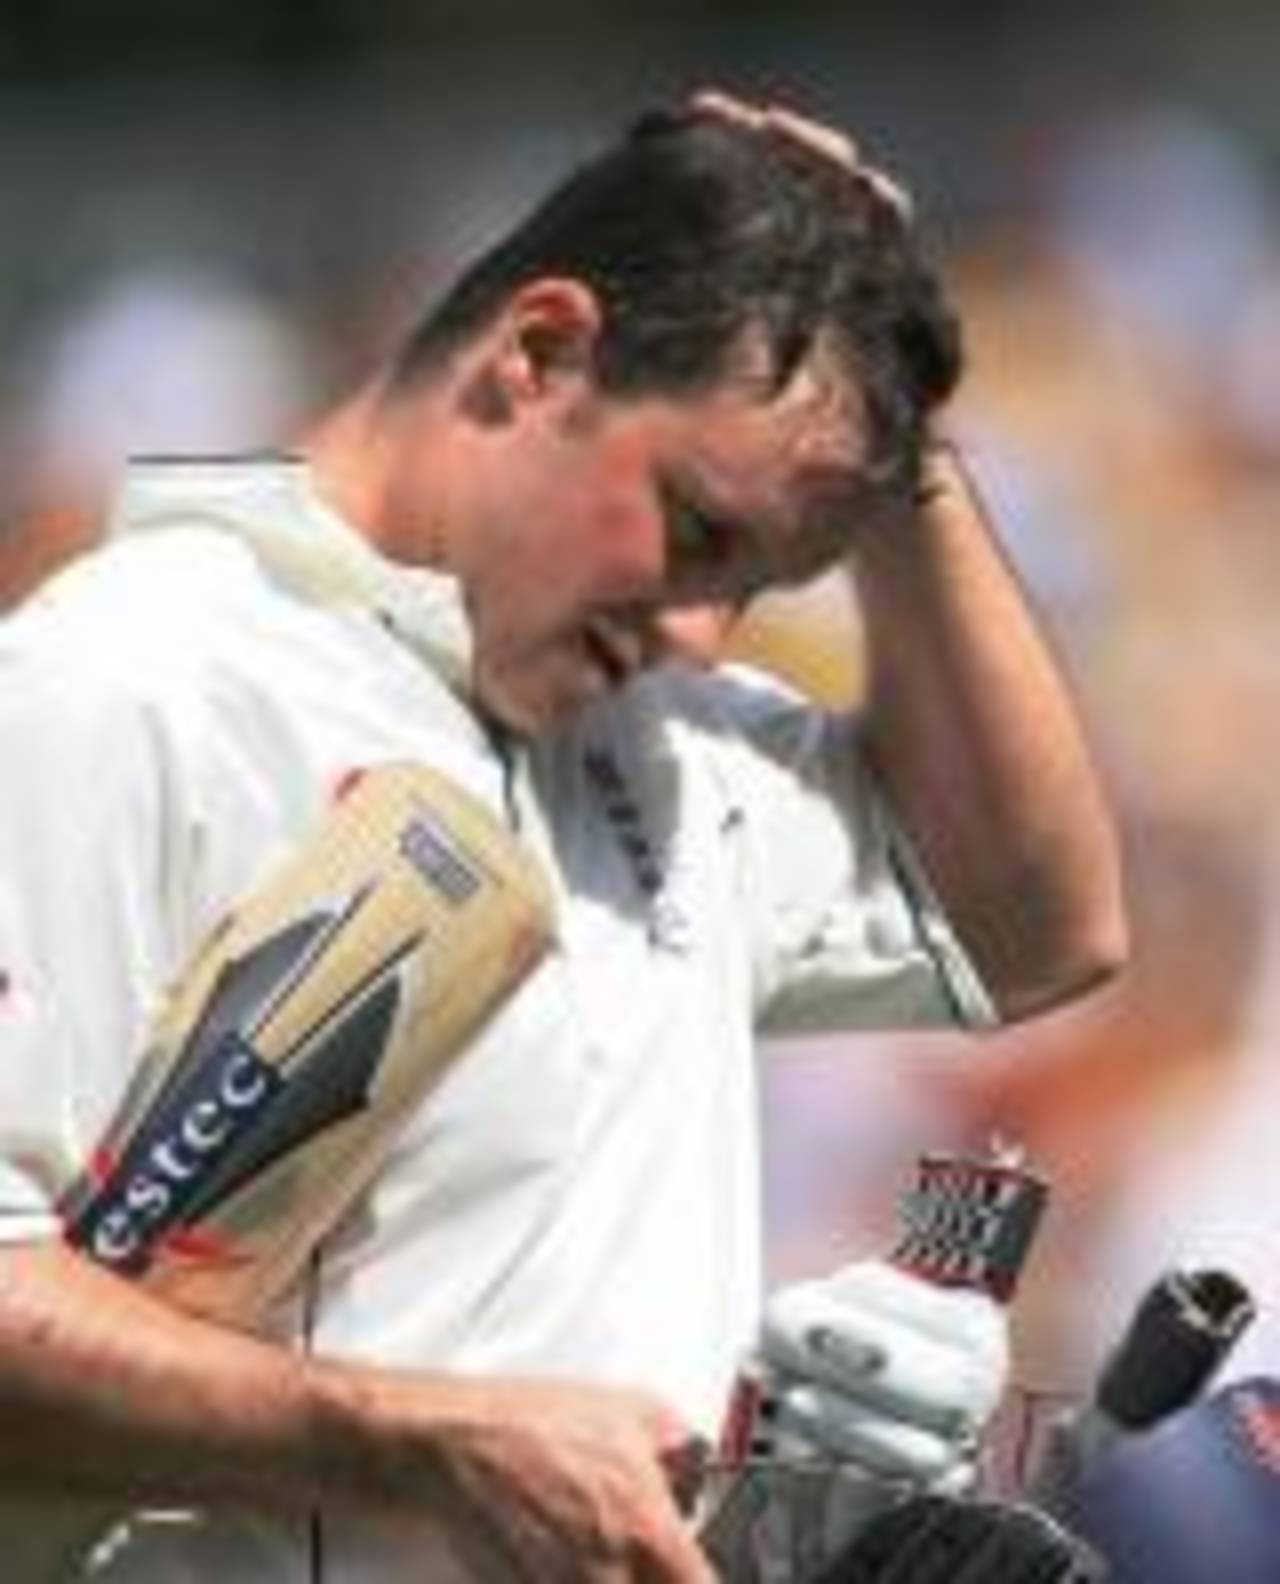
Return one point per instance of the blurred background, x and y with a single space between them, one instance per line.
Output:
213 216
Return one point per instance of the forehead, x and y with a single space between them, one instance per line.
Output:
815 421
789 461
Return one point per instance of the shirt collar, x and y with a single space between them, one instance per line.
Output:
272 505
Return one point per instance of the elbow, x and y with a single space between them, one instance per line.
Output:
1086 958
1098 957
1110 947
1100 942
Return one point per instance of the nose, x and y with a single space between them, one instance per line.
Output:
695 634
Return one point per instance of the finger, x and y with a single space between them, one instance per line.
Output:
878 1360
888 190
835 144
668 1554
685 1465
727 107
831 143
890 1449
828 141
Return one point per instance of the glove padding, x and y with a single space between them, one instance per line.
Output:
877 1368
936 1540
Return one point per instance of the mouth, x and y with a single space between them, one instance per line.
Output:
533 690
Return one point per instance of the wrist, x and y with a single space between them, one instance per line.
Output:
942 467
380 1440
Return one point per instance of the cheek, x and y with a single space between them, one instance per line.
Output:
585 533
618 552
607 526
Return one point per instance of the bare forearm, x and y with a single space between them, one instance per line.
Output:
107 1392
112 1399
976 735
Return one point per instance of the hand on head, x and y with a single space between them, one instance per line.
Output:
831 142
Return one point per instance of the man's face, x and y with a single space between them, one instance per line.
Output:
621 533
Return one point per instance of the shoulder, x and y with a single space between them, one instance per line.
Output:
166 649
181 606
131 600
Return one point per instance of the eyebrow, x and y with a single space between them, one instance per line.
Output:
826 489
692 490
751 551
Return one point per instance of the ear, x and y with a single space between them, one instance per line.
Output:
548 338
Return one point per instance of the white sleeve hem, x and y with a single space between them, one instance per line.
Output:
974 1006
28 1224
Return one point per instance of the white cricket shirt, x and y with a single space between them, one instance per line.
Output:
581 1195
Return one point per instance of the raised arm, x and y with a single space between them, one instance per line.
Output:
975 735
970 722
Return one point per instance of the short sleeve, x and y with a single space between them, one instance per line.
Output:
83 940
847 932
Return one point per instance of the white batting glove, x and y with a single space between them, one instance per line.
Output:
876 1383
867 1386
878 1368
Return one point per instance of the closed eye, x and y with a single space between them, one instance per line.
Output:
707 556
695 538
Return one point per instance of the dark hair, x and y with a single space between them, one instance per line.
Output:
690 230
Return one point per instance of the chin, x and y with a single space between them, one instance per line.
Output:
514 709
532 706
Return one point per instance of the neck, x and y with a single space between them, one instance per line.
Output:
362 458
